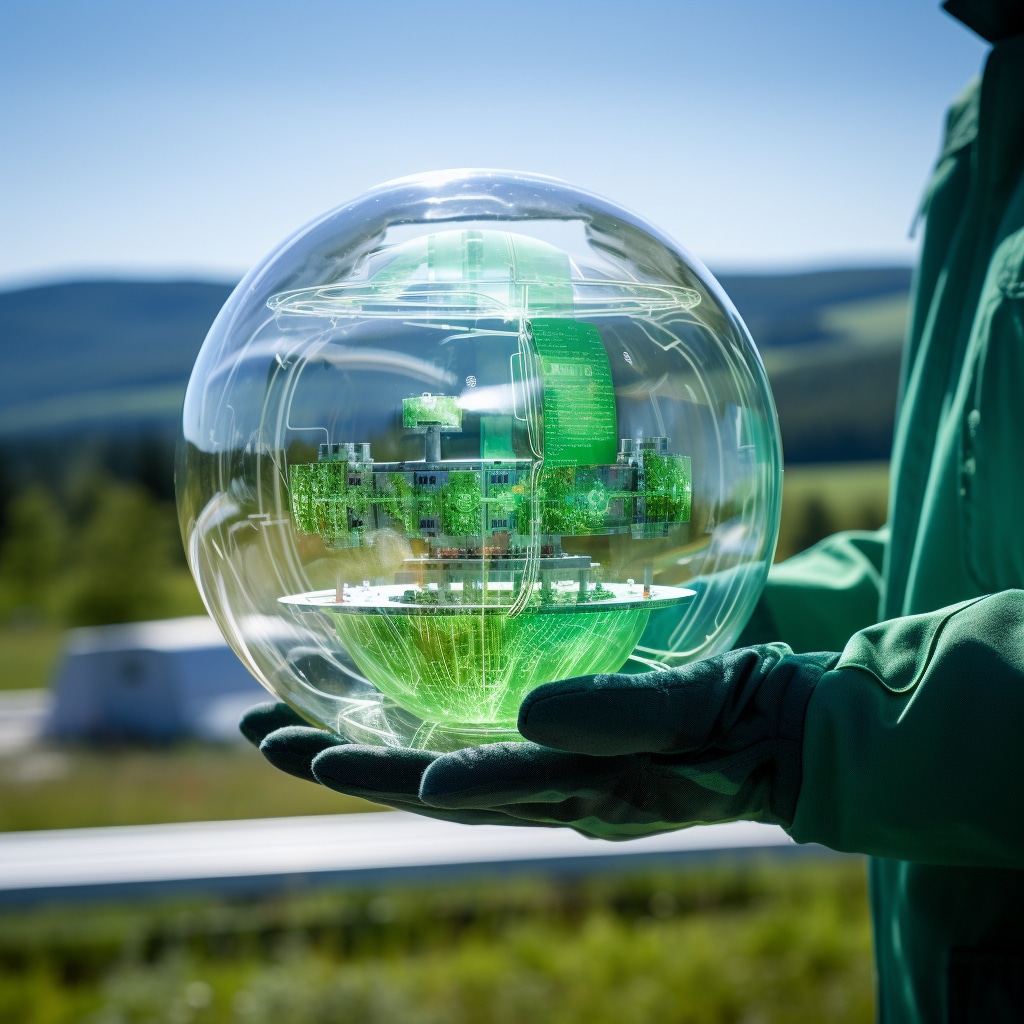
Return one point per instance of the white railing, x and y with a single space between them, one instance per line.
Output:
268 853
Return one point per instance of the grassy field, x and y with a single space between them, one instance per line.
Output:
767 942
71 787
28 655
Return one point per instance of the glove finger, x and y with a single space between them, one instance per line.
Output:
600 715
468 816
582 818
293 748
682 710
391 777
262 719
381 774
497 774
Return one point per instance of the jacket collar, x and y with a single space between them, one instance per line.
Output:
994 20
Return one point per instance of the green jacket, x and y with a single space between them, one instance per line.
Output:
914 748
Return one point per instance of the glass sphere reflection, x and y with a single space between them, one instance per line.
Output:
473 432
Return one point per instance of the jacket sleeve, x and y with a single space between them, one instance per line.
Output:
913 743
817 600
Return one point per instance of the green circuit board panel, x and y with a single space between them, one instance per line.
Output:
580 425
423 411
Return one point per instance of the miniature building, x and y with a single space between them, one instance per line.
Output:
488 514
646 490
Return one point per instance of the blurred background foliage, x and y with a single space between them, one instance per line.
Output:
78 786
744 941
104 551
91 551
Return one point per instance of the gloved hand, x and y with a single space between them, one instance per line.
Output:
291 744
612 756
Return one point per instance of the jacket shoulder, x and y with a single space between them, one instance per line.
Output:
962 119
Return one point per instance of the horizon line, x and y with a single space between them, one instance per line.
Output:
793 268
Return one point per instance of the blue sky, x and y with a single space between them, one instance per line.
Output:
169 139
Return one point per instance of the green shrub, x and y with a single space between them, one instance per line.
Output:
774 942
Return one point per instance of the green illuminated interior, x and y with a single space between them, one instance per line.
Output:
466 670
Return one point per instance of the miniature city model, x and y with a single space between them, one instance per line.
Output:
490 603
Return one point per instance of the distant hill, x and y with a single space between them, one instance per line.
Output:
831 344
795 309
88 351
96 364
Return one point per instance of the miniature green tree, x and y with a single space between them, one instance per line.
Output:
394 494
559 512
667 487
320 499
460 504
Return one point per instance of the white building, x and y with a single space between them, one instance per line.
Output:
166 680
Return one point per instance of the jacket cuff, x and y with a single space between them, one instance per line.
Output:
795 677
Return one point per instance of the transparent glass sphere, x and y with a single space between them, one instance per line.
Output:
470 433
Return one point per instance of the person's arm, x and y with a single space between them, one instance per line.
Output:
816 600
914 743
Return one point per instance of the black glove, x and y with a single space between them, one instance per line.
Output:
612 756
289 743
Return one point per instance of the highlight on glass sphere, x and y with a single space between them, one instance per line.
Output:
473 432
